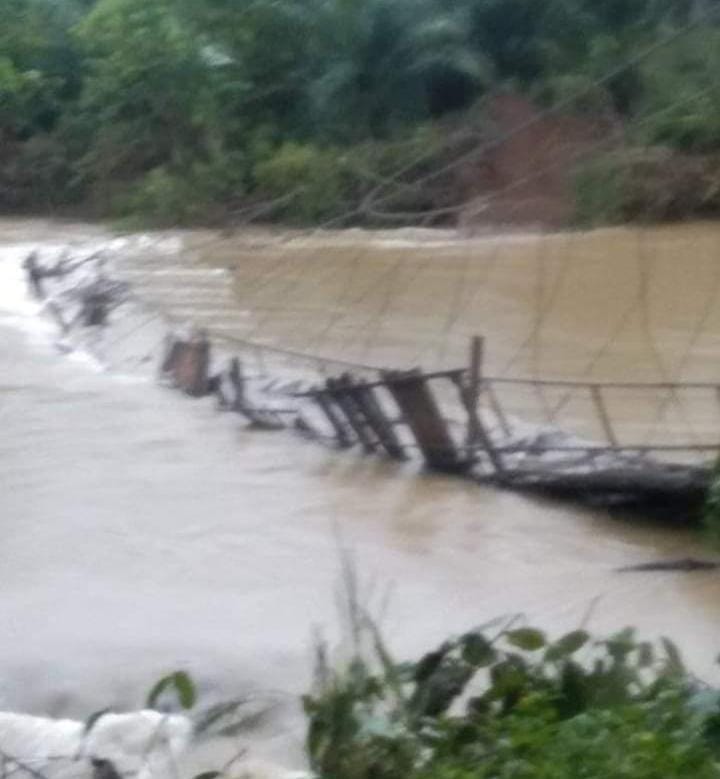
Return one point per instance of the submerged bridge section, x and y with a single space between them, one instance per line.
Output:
571 437
462 422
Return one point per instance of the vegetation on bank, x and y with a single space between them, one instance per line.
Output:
201 110
506 702
653 184
503 701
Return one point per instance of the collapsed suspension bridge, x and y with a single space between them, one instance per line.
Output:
459 421
401 413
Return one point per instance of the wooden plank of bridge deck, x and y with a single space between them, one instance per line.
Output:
367 401
422 415
338 390
342 435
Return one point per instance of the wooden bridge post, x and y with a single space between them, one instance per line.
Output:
474 383
338 390
343 437
422 415
368 403
188 363
470 395
198 366
35 275
237 380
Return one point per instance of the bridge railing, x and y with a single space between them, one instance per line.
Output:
670 420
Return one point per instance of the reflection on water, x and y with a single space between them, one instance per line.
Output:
143 531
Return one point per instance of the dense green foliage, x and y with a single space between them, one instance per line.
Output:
506 702
187 110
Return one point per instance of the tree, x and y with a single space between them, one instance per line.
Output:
148 88
391 62
40 67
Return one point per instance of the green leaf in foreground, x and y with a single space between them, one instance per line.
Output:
477 650
567 645
93 719
646 654
181 683
674 661
529 639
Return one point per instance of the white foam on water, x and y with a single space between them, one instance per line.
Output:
14 299
19 310
147 743
144 744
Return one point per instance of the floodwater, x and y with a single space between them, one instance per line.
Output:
640 305
143 532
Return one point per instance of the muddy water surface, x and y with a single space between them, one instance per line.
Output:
639 305
143 532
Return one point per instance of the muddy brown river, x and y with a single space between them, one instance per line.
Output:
143 532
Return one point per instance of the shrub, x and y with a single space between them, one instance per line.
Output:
599 192
197 194
680 106
651 185
508 703
653 740
37 174
313 183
